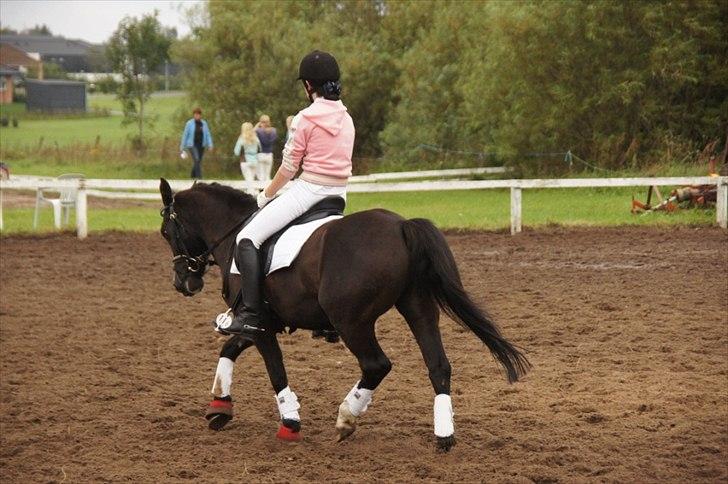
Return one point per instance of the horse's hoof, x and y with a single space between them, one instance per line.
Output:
217 421
289 435
345 422
219 413
293 425
344 431
444 444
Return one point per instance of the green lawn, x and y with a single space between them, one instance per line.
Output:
120 169
478 209
85 130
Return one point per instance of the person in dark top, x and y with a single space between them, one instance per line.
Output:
195 139
267 136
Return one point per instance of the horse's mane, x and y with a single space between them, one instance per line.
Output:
228 196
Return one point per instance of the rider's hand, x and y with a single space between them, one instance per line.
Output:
263 200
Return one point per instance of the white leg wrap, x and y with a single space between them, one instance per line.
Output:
223 377
444 424
288 404
358 400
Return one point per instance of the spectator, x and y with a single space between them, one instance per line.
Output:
195 139
289 133
267 136
247 148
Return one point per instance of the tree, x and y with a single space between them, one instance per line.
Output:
8 30
618 83
136 50
237 70
39 30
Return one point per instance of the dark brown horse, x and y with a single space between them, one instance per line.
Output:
348 273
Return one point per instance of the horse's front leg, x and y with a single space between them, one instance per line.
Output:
220 410
287 401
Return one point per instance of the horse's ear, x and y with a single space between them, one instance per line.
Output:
166 192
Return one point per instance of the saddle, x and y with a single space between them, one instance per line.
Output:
325 208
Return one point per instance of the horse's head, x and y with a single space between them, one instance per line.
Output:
189 251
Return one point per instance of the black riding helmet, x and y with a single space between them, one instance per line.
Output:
321 71
319 66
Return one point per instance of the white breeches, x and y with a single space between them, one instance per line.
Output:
265 164
249 171
293 203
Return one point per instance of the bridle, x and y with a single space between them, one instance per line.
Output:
198 264
183 259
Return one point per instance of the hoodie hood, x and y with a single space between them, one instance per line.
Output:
327 115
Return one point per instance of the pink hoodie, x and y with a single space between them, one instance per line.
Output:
323 138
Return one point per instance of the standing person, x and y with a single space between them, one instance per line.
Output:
195 139
247 148
289 133
323 142
267 136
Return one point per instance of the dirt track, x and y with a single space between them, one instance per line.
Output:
105 369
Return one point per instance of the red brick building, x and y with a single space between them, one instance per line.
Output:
7 74
17 58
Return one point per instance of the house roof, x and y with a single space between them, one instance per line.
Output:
9 71
47 45
47 82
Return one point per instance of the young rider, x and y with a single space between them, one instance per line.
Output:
322 142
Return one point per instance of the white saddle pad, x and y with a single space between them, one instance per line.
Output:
289 244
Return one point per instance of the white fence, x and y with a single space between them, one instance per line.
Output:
95 187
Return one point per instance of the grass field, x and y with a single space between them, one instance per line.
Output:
85 130
481 209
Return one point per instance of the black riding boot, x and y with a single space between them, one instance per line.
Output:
247 316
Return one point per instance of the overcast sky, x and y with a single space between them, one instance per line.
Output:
90 20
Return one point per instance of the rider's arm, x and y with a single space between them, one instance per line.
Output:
292 154
294 149
278 182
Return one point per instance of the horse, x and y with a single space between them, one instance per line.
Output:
348 273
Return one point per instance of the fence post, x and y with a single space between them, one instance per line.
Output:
721 203
515 210
81 210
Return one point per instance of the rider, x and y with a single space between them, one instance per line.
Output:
322 142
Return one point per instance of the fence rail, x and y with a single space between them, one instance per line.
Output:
97 187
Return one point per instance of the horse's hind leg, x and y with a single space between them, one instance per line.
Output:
422 315
362 342
220 410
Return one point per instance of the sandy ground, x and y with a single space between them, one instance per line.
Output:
105 369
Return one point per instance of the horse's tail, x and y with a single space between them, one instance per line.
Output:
434 269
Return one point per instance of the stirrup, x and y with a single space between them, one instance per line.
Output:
223 321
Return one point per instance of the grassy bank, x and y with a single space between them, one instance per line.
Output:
478 209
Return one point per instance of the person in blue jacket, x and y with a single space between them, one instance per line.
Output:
196 138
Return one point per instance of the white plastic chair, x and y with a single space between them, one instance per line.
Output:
62 205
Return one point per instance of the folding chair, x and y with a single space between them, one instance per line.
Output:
62 205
